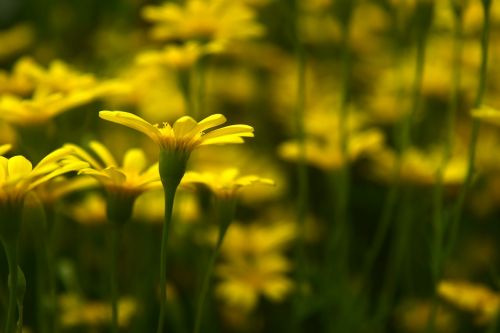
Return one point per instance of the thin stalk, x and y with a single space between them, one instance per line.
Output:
113 265
12 259
169 191
226 213
301 171
475 122
439 248
198 92
404 144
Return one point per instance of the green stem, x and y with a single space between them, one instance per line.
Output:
475 122
113 265
169 190
439 252
198 98
12 259
226 215
303 181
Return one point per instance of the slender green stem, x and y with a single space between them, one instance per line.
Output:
439 253
11 253
302 178
169 191
113 266
198 98
226 215
475 122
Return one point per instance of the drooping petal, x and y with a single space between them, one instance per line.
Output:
80 153
103 153
132 121
5 148
134 161
75 166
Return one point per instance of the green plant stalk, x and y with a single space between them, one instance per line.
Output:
439 253
11 252
113 265
301 170
186 82
226 214
455 223
169 190
404 144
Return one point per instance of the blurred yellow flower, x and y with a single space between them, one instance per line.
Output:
487 114
18 177
254 265
322 143
177 57
224 184
78 312
40 108
133 177
418 167
216 22
475 298
186 133
89 211
14 40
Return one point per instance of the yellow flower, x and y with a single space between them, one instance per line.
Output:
15 40
178 57
132 176
78 312
418 167
487 114
244 280
185 134
255 266
471 297
224 184
40 108
216 22
5 148
89 211
18 177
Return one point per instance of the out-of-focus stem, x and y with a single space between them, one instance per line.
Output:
226 207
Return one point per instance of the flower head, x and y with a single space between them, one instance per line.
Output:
18 176
186 133
226 183
133 176
215 22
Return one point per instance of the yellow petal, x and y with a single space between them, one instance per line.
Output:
3 168
134 161
132 121
5 148
209 122
222 140
82 154
59 171
183 126
19 166
103 153
240 130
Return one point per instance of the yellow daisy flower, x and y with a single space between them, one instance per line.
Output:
185 134
133 176
216 22
224 184
18 176
122 183
178 57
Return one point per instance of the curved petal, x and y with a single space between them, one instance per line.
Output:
184 126
18 166
132 121
134 161
240 130
103 153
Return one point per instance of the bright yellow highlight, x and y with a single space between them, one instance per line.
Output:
185 134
